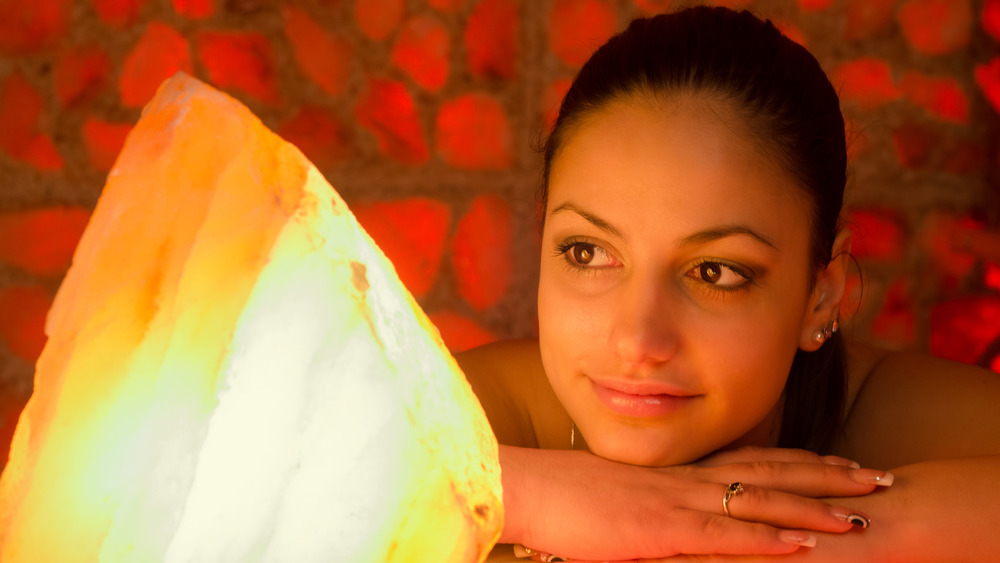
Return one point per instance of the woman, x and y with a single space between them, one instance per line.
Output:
693 268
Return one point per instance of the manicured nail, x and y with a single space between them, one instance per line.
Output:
797 538
851 517
841 461
872 477
859 520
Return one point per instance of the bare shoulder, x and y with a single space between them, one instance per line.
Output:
906 407
510 382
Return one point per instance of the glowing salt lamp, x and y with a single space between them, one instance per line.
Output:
235 373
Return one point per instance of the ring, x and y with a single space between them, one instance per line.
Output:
732 490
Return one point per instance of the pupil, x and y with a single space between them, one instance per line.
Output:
584 254
710 272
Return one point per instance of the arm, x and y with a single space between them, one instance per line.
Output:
937 424
577 504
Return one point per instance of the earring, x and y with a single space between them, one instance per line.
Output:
826 332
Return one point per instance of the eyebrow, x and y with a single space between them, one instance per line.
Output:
590 217
723 231
701 237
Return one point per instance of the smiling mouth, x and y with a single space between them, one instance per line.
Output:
640 399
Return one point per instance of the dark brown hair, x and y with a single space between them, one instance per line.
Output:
793 115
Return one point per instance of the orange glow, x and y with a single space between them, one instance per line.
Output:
235 373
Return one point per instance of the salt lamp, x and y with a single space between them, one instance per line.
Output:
234 372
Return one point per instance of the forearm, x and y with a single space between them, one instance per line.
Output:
935 511
940 511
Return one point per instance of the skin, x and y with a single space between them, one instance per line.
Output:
638 194
640 311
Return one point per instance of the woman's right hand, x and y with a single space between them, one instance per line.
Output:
580 506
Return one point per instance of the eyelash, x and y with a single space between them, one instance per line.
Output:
563 248
749 278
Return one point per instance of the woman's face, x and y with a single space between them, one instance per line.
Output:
674 282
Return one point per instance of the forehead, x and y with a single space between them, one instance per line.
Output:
685 160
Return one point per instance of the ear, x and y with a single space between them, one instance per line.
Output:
824 301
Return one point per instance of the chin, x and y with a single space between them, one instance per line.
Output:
658 455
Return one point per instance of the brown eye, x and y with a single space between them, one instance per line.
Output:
582 253
710 272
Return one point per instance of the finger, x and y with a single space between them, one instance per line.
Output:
722 535
786 455
806 479
784 510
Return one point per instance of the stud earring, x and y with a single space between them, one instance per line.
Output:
821 335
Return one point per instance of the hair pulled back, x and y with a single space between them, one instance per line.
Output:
792 113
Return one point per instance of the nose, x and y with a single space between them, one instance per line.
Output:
644 329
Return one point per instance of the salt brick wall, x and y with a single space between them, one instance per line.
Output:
423 113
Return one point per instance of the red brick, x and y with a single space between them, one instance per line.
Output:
895 324
473 133
988 78
940 238
22 320
653 7
42 241
22 113
878 235
990 18
158 54
481 252
104 140
323 138
914 144
240 61
554 95
866 18
814 5
942 97
32 26
578 27
387 110
962 329
866 81
194 9
491 39
422 51
459 332
378 19
81 73
449 6
936 27
323 57
412 233
991 276
118 13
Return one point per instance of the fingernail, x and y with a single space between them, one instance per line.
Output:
797 538
872 477
841 461
859 520
851 517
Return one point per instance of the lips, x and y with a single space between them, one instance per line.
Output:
643 399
